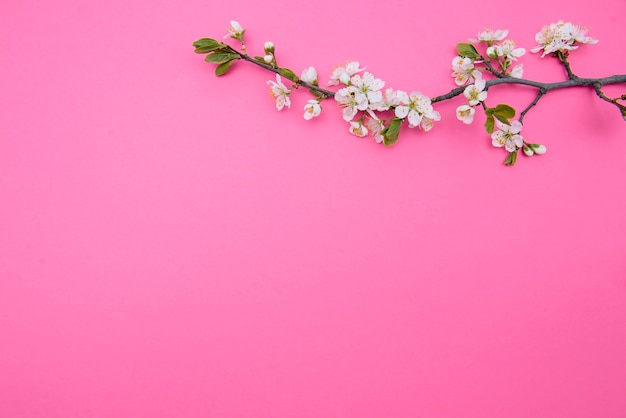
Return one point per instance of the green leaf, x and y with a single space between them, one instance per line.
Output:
205 45
391 132
511 158
506 111
223 68
467 50
288 74
489 123
501 118
221 57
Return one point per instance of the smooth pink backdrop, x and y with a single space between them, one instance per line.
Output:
171 246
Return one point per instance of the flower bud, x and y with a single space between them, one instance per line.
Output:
491 52
528 151
309 75
269 47
538 148
345 78
268 58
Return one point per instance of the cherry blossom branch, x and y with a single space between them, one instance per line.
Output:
381 113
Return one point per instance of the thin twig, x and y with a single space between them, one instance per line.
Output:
540 94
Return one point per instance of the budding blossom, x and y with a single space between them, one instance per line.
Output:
309 75
280 93
562 37
235 31
508 136
517 71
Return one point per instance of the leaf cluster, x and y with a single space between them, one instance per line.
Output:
217 53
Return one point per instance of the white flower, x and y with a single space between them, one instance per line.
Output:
280 93
389 100
414 107
235 31
368 86
489 35
309 75
352 101
312 109
561 36
358 129
507 50
376 126
578 35
344 72
429 120
517 71
465 114
508 136
475 92
463 70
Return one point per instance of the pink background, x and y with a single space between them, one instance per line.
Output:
171 246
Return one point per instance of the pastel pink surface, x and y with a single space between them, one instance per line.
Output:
172 246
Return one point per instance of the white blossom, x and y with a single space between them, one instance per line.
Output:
376 126
414 107
368 86
465 113
463 70
312 109
280 93
489 35
358 129
351 100
309 75
343 73
561 36
235 31
517 71
475 93
507 50
508 136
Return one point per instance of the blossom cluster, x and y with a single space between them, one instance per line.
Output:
362 97
372 109
561 37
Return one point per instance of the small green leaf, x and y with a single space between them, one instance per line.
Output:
467 50
288 74
489 123
391 132
501 118
205 45
511 158
221 57
223 68
505 110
